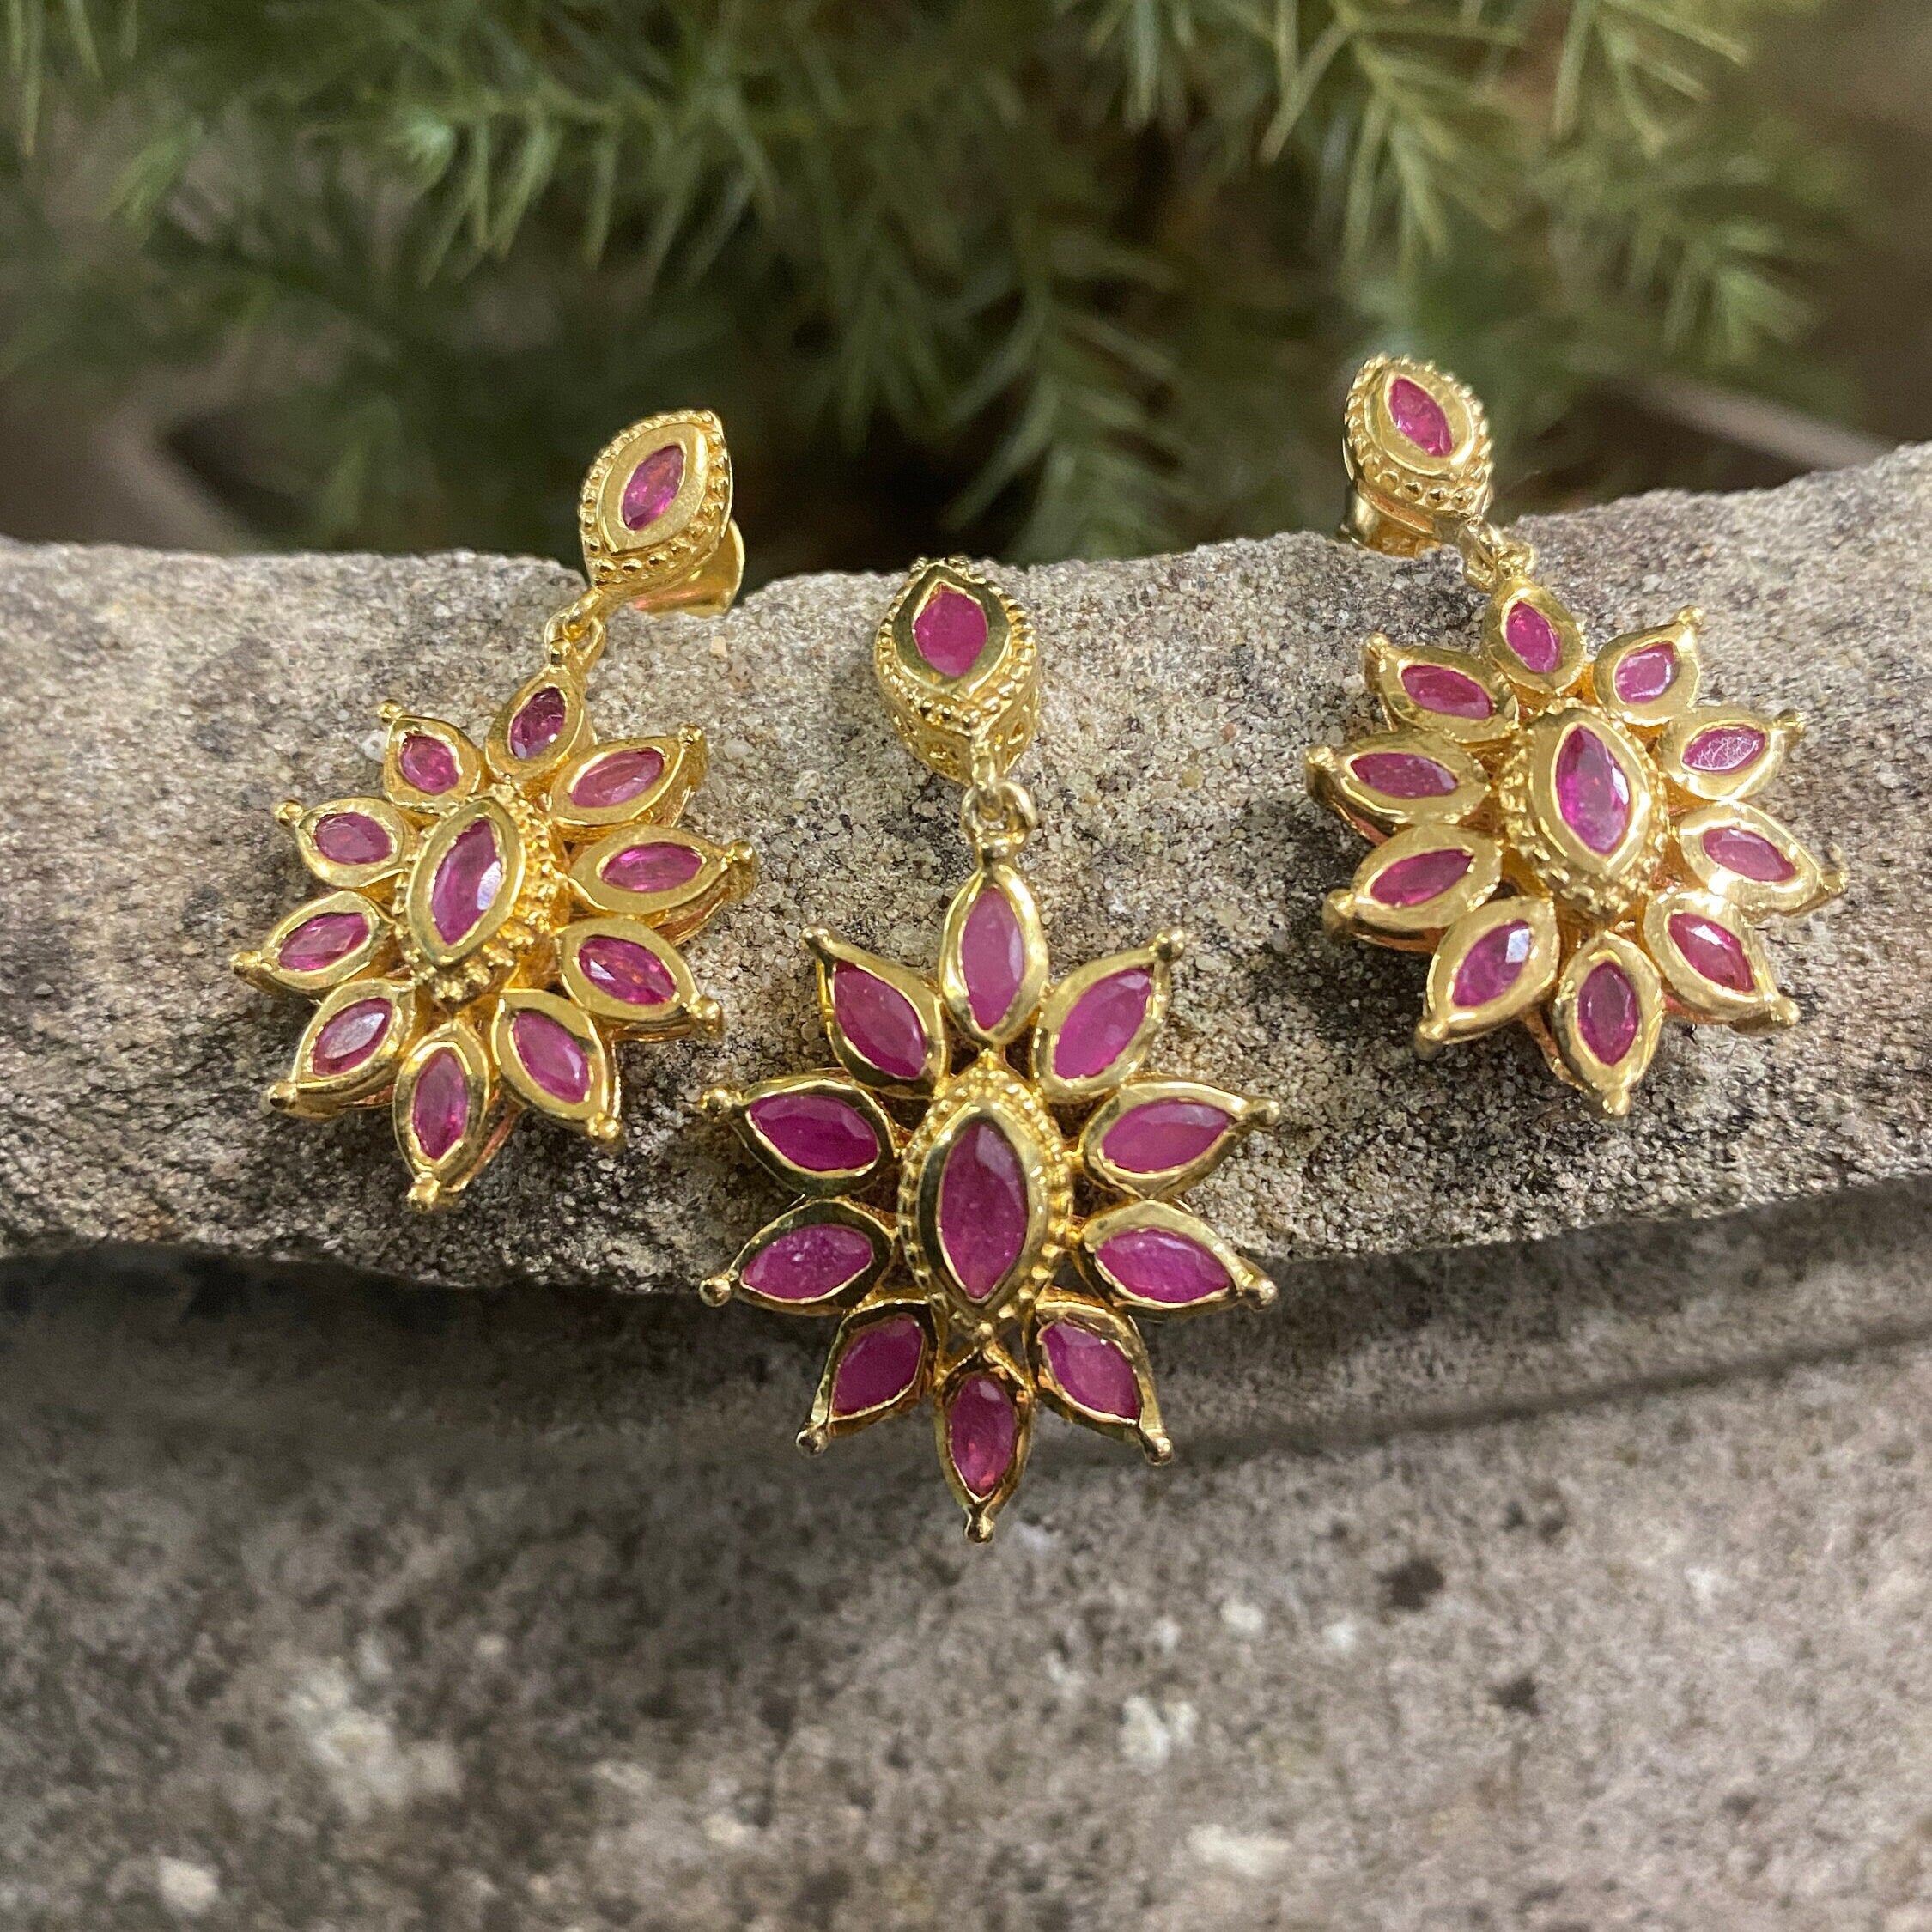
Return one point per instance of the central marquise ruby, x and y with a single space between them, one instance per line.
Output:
467 881
983 1208
1592 789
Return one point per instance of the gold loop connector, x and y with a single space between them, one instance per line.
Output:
996 816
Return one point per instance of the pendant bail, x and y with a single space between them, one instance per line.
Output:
1417 446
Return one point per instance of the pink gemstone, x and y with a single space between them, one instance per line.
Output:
651 868
981 1432
652 486
879 1022
1749 854
1419 416
552 1055
1492 965
1724 748
1592 790
1403 774
429 764
352 838
806 1264
1718 955
439 1107
1093 1370
1452 694
1163 1135
982 1208
538 719
951 631
992 957
1533 637
1608 1013
1160 1265
880 1363
816 1132
320 942
1102 1024
1644 676
467 882
348 1038
1416 880
617 780
625 969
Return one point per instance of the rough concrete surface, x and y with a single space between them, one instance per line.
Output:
155 707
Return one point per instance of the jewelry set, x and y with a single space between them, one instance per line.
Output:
984 1185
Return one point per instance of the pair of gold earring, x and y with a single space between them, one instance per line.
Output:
987 1184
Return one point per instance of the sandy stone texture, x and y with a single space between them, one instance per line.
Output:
157 706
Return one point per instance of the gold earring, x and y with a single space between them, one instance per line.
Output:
942 1181
1567 835
501 917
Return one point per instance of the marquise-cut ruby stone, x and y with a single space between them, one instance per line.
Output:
1592 789
1492 965
552 1055
439 1107
1160 1265
319 943
807 1263
1102 1024
352 838
1711 951
1536 641
981 1431
982 1208
652 485
1422 876
992 957
626 970
879 1022
538 719
1093 1370
1163 1135
1452 694
951 631
651 868
880 1363
817 1131
618 779
1608 1013
429 764
1403 774
1419 416
1749 854
348 1038
1644 676
1724 748
466 882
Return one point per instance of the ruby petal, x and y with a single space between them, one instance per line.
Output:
1644 676
552 1055
981 1432
352 838
348 1038
651 868
1163 1135
1536 641
626 970
1452 694
880 1363
1592 790
1102 1024
951 631
1403 774
983 1208
1093 1370
429 764
1419 418
1724 748
816 1132
319 943
1713 951
1608 1013
1492 965
466 882
439 1107
1422 876
538 719
879 1023
618 779
652 486
1158 1265
1749 854
806 1264
992 957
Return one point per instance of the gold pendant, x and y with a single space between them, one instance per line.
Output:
986 1181
1569 835
503 916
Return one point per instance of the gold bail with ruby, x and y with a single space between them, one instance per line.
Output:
985 1183
1568 834
503 916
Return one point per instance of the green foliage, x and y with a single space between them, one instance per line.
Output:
1049 277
